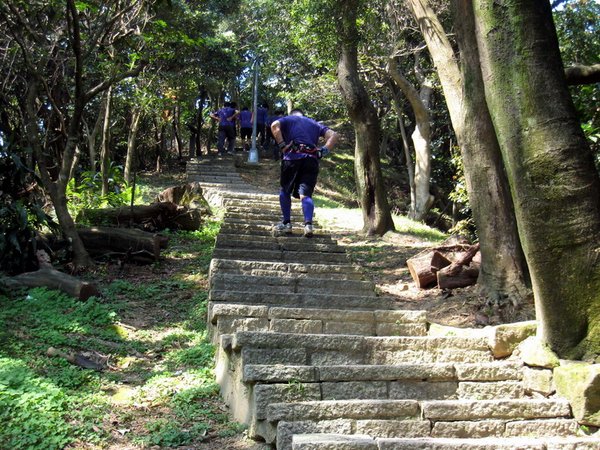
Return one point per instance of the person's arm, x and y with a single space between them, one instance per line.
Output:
331 138
278 136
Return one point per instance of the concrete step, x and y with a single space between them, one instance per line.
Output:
310 300
333 441
330 271
228 318
289 285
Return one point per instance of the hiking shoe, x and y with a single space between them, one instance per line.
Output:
308 230
282 228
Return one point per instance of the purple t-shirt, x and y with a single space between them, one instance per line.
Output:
223 114
245 119
301 130
261 115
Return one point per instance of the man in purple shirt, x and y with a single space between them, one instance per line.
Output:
245 127
262 113
297 138
226 117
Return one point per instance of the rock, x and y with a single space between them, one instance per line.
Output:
579 383
534 353
504 339
538 380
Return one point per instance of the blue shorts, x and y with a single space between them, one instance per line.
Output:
299 176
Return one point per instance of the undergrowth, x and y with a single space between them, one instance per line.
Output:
147 334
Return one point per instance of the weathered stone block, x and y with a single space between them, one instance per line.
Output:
580 384
278 373
423 390
286 356
541 428
393 428
354 390
490 390
538 380
296 326
534 353
228 325
335 358
332 442
468 429
420 372
495 409
358 328
400 329
265 394
495 371
285 430
504 339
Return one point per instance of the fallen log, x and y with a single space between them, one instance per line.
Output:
424 266
53 279
460 273
156 215
127 243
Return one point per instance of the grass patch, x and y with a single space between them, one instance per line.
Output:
148 330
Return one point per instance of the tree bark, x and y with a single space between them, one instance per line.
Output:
105 146
580 74
421 199
131 144
503 271
369 180
553 179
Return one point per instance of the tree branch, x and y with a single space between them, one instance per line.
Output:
579 74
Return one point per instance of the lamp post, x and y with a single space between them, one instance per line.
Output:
253 154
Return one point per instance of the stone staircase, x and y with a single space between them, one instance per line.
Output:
311 358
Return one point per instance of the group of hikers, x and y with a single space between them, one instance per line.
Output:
231 119
295 140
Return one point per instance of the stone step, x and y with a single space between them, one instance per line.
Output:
289 256
319 244
490 372
327 350
228 318
331 271
289 284
333 441
252 198
310 300
269 216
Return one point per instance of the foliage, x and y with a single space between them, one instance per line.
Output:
33 410
577 27
20 213
85 192
161 388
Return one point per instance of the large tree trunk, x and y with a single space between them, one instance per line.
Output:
105 147
553 179
369 181
503 272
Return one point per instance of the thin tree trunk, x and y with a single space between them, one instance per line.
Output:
131 144
105 146
503 272
91 137
421 138
553 179
176 133
369 180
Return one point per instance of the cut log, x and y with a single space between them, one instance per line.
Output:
456 276
460 273
128 243
424 266
53 279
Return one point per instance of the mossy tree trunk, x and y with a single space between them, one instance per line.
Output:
503 272
553 180
369 180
